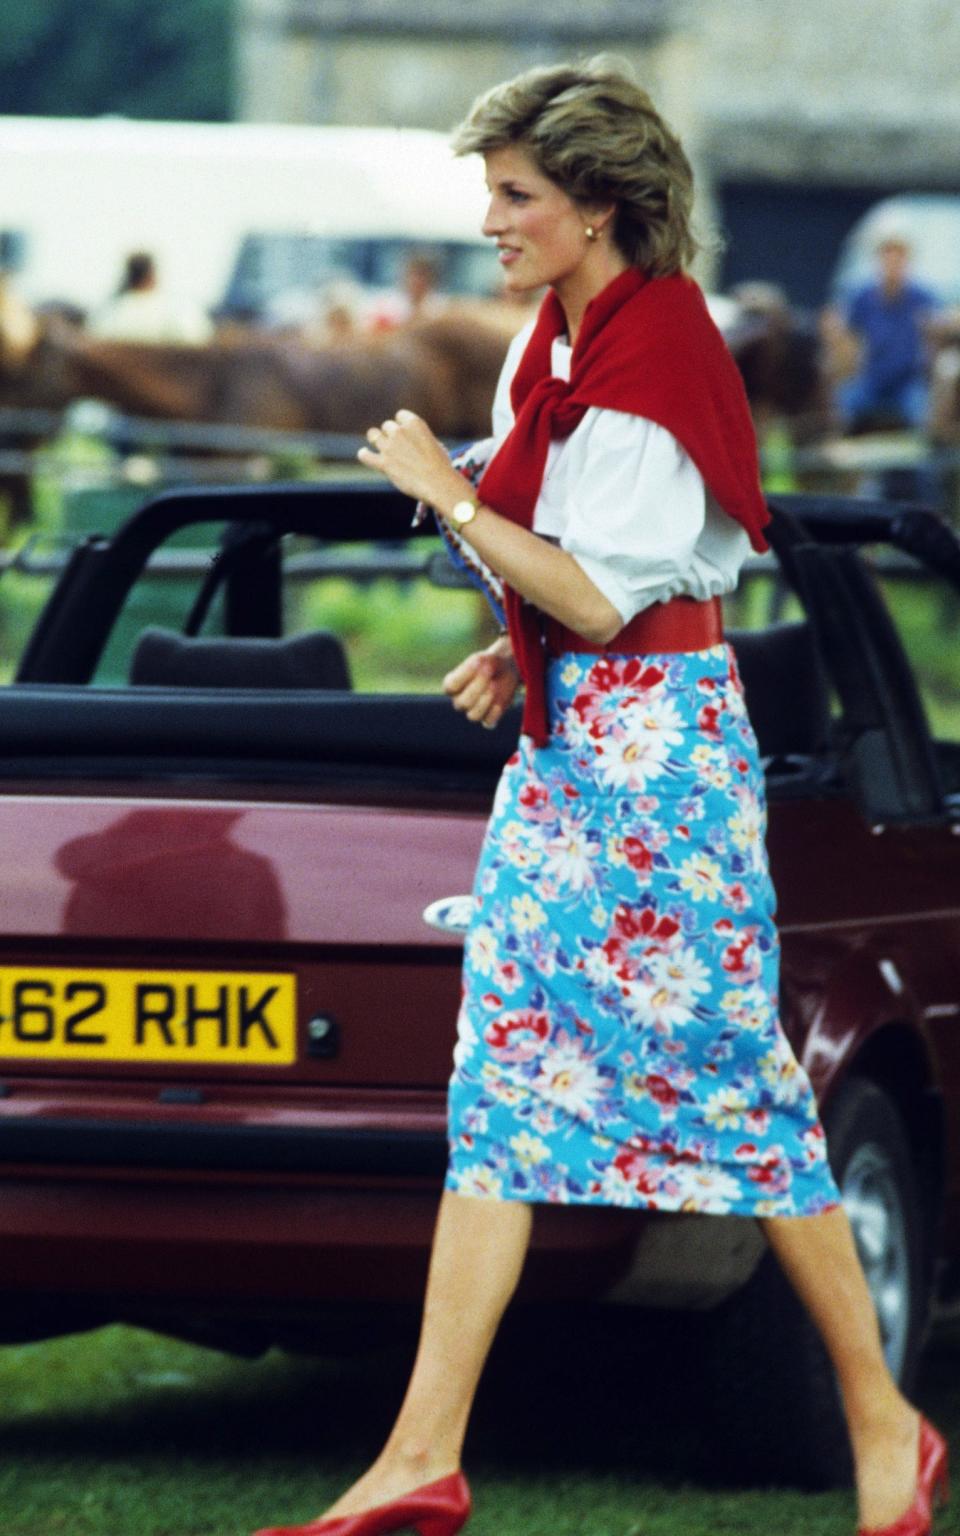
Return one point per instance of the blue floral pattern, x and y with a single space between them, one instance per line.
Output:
619 1040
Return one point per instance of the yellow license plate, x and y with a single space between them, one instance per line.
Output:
232 1018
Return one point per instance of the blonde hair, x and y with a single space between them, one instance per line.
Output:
597 134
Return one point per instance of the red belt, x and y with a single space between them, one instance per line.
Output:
680 624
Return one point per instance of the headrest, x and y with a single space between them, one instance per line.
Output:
166 659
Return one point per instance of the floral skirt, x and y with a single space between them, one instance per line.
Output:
619 1040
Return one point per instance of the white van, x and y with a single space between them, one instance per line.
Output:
77 196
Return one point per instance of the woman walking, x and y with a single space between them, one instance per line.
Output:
619 1041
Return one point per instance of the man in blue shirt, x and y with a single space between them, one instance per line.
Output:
889 318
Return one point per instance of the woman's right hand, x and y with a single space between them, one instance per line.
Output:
482 687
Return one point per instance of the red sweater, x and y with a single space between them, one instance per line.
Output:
649 347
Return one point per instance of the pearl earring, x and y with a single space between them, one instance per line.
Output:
591 233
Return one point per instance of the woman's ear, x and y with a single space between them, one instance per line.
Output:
597 217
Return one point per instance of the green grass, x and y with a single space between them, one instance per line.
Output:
120 1433
399 637
926 617
928 622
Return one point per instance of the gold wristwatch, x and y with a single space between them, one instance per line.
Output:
463 513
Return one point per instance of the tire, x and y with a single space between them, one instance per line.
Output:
773 1406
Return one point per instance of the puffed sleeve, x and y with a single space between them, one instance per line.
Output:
502 408
634 508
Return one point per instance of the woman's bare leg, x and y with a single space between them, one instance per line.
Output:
478 1251
820 1259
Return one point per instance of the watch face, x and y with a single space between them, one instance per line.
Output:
464 512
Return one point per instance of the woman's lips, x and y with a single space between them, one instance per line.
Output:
507 254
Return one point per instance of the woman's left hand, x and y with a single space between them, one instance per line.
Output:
406 451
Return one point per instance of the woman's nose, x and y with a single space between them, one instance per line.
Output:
493 222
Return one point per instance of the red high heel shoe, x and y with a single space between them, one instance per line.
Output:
436 1509
933 1486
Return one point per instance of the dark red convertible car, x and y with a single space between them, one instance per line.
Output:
230 944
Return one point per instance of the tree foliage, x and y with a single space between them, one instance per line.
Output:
137 58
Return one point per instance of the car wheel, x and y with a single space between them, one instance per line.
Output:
772 1398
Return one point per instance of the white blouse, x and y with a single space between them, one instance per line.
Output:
623 497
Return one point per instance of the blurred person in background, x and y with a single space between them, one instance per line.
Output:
888 319
418 297
141 310
339 315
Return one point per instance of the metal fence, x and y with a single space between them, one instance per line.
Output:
179 452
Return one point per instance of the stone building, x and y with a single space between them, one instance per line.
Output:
388 62
797 117
811 113
420 65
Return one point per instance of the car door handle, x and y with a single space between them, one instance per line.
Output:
449 914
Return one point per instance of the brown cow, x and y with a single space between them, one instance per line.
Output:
445 369
782 361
